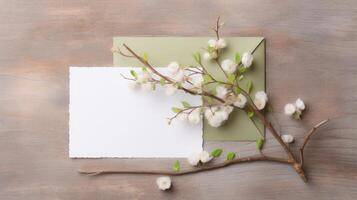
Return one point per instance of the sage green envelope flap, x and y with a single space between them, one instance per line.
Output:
163 50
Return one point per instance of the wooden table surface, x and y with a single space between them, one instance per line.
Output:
311 53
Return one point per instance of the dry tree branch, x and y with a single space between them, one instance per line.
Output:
307 139
189 171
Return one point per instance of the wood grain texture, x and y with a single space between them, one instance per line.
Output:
311 53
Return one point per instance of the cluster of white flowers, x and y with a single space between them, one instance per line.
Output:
213 46
217 115
163 182
143 80
176 72
193 117
296 109
202 157
260 100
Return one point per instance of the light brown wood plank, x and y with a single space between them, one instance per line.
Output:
311 53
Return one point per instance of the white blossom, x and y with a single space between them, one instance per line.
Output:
195 116
147 86
133 85
176 72
217 44
206 56
170 89
261 95
229 66
240 101
260 103
221 43
300 105
221 92
287 138
198 81
205 157
194 159
173 67
247 59
163 182
182 116
143 77
217 115
212 43
210 55
260 100
289 109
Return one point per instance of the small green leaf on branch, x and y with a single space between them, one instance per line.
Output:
185 104
133 73
237 90
175 109
176 166
162 82
250 114
207 78
231 156
240 77
231 78
260 143
146 56
249 86
197 57
237 58
216 153
242 70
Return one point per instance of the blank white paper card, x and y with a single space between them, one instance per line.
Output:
109 119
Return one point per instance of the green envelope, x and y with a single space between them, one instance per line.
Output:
163 50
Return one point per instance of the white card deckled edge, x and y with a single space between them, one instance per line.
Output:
108 119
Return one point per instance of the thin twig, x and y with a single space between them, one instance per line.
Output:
189 171
307 139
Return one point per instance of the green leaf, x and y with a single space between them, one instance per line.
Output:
249 86
237 58
162 82
250 114
146 56
242 70
133 73
216 153
144 69
240 77
296 115
176 166
231 156
197 57
175 109
185 104
237 90
207 78
231 78
259 144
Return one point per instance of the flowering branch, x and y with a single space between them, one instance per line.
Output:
228 95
